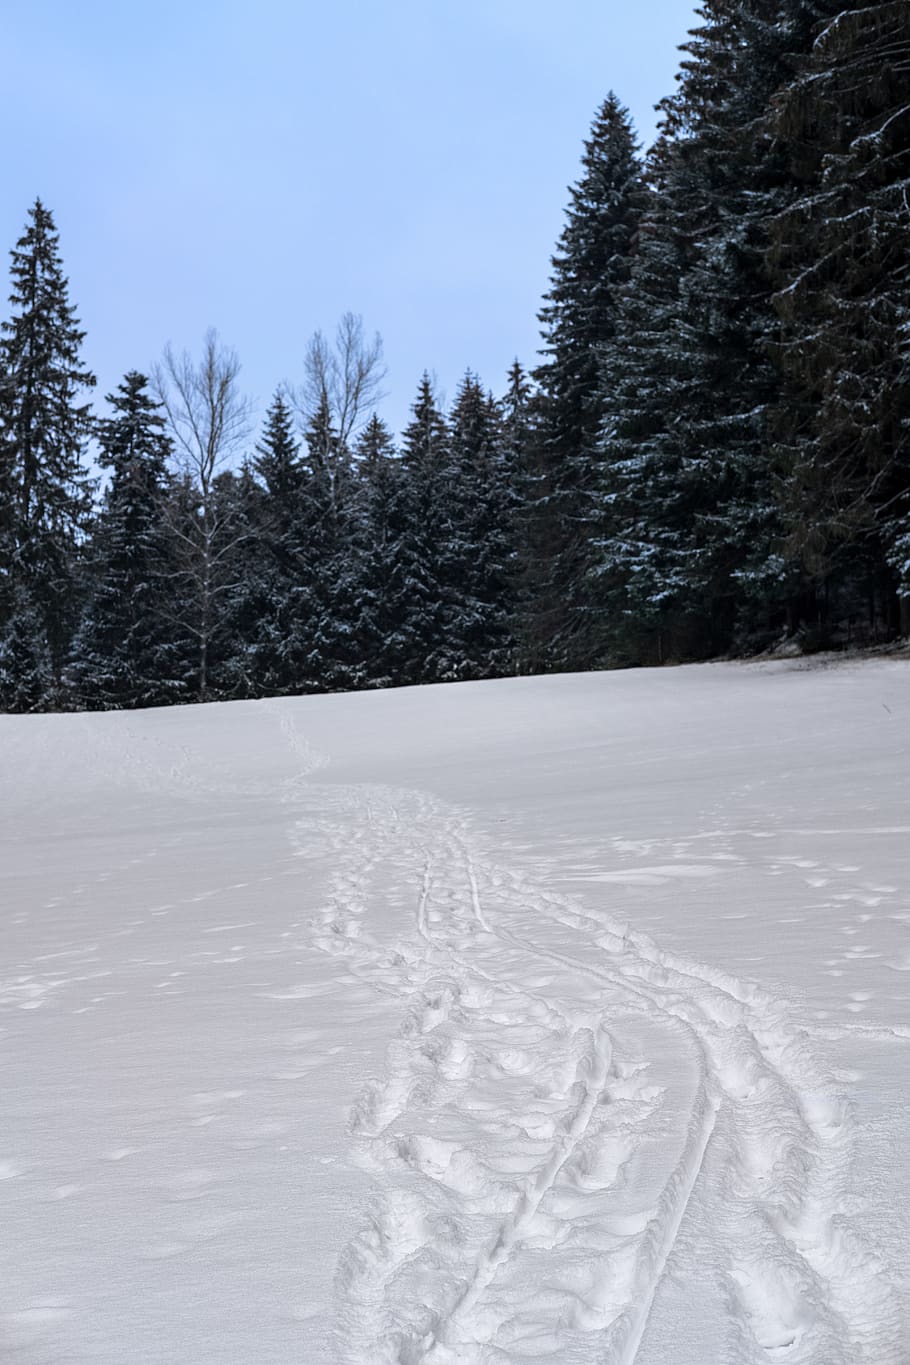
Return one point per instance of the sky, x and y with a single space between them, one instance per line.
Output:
264 169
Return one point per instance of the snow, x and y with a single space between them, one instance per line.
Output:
552 1019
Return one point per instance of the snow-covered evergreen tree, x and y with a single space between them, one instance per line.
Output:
44 431
274 559
483 526
123 655
381 549
429 552
578 320
327 588
689 546
841 256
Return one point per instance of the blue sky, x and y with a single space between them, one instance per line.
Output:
262 169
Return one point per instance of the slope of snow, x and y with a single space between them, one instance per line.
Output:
546 1020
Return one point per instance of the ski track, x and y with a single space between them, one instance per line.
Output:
562 1097
560 1092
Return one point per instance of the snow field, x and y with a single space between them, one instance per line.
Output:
497 1060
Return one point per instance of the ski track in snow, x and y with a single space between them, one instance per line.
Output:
562 1099
561 1091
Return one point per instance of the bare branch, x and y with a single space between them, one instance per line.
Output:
346 376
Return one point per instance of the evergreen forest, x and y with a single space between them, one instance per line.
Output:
710 458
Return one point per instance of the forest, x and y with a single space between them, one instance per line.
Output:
711 457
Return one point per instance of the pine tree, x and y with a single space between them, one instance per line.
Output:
841 261
517 422
690 532
248 604
7 510
44 430
430 555
26 675
122 655
483 524
381 546
578 319
277 459
275 558
327 588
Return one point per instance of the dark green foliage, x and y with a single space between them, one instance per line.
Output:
123 654
382 549
484 533
429 550
26 676
274 559
44 430
590 267
691 532
841 262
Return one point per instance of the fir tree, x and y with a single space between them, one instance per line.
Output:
275 558
690 528
483 526
381 549
44 430
842 268
122 655
327 587
591 265
277 459
429 552
26 675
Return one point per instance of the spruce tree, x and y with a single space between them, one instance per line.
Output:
689 557
841 264
275 558
428 550
578 320
327 590
122 655
381 548
482 570
44 431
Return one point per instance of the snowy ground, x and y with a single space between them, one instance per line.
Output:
560 1019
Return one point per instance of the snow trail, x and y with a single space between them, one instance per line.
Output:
561 1092
569 1143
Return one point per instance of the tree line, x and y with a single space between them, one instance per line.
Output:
712 456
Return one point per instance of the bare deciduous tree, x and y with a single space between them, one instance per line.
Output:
344 378
209 419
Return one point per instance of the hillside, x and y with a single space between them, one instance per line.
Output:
560 1019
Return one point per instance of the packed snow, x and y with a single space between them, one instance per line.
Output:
545 1020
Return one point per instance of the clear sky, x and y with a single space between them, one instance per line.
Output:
262 168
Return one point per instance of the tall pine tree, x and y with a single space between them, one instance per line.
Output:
275 557
44 431
381 548
690 541
429 550
841 260
123 655
591 265
484 526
